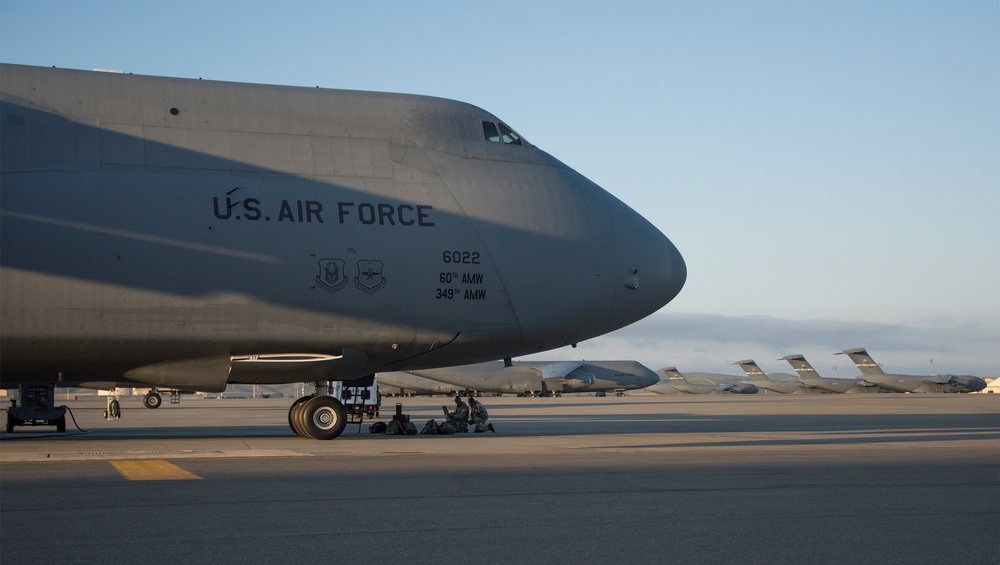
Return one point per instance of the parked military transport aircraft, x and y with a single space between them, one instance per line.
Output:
673 382
871 372
761 380
810 378
412 384
188 234
542 378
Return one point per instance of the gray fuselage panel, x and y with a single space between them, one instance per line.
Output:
150 221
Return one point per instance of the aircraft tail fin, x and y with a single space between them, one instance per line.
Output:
673 374
864 362
801 366
750 367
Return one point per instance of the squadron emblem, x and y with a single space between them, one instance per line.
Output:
370 277
331 277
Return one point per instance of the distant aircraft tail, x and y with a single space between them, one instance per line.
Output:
801 366
673 374
750 367
865 363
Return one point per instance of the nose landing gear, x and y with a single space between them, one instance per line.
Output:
319 416
152 399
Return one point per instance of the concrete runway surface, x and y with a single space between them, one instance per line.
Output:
886 478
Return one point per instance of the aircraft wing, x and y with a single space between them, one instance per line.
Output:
939 379
557 370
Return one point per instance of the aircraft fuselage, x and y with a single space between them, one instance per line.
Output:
529 377
190 234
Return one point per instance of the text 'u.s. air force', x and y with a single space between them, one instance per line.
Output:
313 211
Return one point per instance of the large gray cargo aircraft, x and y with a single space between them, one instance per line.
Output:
673 381
810 378
406 383
540 378
188 234
762 380
871 372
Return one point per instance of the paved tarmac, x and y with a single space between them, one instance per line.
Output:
887 478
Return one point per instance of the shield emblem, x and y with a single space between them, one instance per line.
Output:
331 277
370 277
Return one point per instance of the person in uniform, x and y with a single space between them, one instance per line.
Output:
459 419
479 416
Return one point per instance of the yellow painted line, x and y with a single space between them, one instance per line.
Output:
152 470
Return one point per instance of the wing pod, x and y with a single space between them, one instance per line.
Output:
291 367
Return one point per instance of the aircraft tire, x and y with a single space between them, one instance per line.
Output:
323 417
152 400
293 415
299 420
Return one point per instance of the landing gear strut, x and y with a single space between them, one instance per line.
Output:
319 416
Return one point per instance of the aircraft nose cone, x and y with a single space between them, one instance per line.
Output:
671 273
648 379
651 268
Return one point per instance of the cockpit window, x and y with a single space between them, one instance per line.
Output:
490 131
503 134
508 136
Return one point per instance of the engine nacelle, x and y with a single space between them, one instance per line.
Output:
578 380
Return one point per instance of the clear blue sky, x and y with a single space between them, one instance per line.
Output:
830 170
